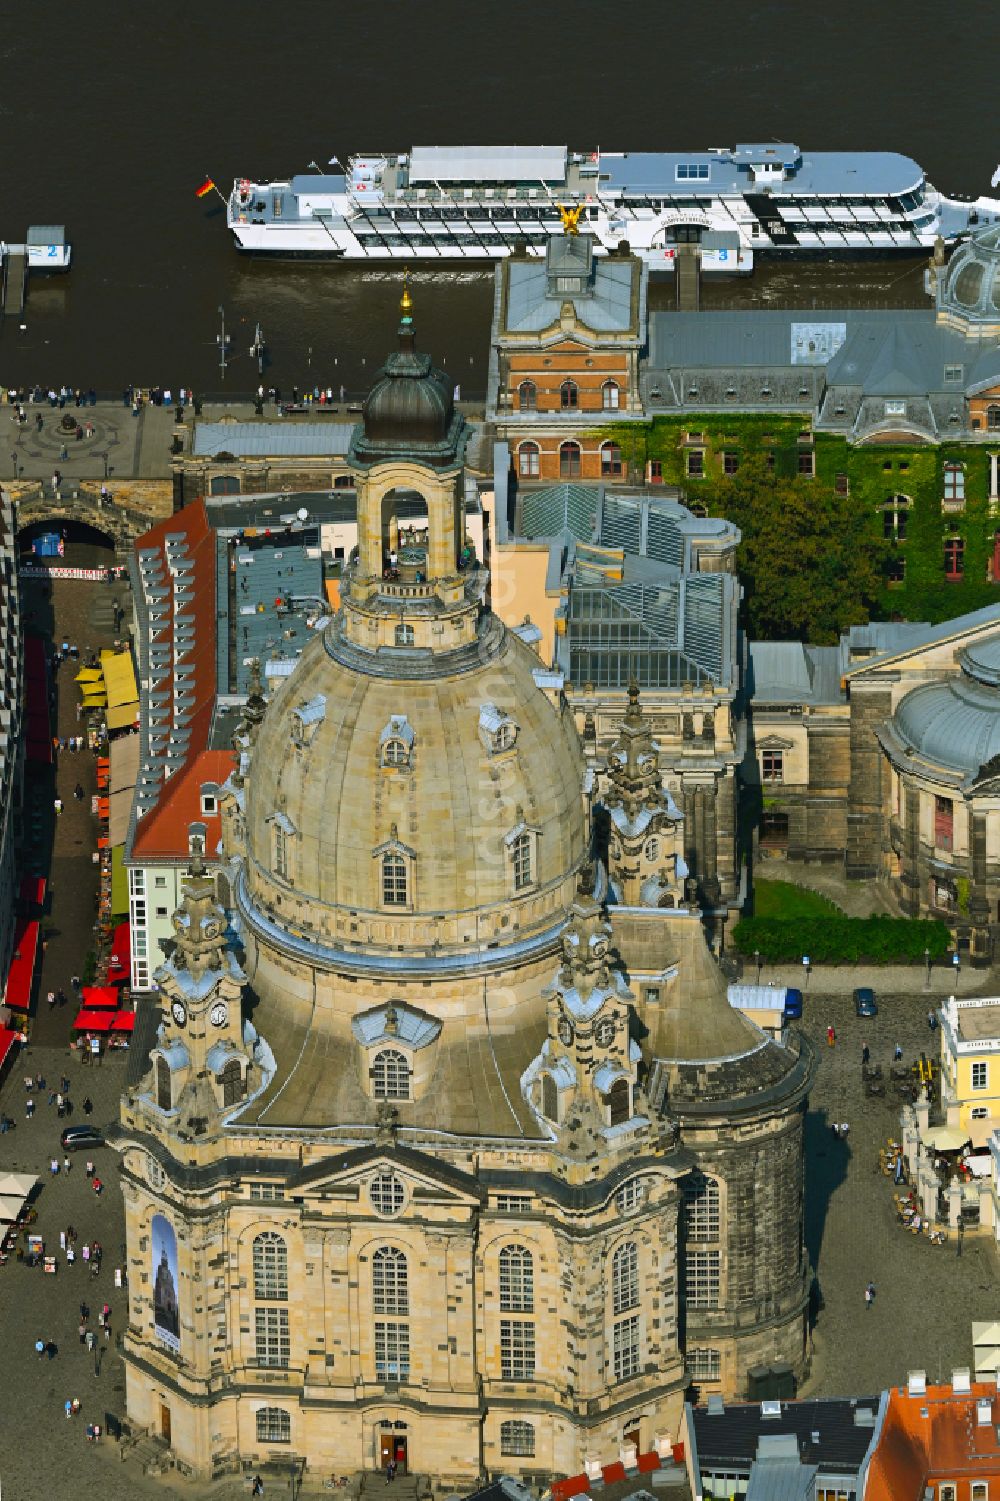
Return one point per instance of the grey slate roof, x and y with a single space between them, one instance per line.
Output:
731 1438
606 307
789 672
886 639
277 439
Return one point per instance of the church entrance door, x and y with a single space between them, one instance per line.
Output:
392 1447
165 1421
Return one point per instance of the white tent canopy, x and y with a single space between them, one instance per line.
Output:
17 1183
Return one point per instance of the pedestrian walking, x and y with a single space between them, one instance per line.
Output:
257 1487
54 1167
29 1109
91 1340
57 804
831 1036
869 1295
82 1331
51 998
87 1105
897 1055
67 1164
90 1165
62 1247
98 1187
64 1081
85 1250
931 1020
84 1311
39 1348
865 1053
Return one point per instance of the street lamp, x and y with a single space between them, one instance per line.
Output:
13 459
222 341
956 961
756 960
805 966
105 456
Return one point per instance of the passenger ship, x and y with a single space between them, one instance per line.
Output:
481 202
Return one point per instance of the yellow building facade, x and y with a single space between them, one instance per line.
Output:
459 1157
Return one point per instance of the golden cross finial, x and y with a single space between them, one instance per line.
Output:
406 301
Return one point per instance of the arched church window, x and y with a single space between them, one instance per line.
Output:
224 484
528 460
569 461
390 1281
550 1098
520 852
702 1208
232 1083
390 1075
517 1438
281 860
569 394
625 1277
395 753
164 1097
527 396
270 1267
517 1279
404 635
394 893
610 395
993 418
611 460
619 1103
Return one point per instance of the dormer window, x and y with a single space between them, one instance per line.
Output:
306 720
282 842
395 753
396 742
209 798
497 731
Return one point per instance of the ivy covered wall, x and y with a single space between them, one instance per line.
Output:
875 474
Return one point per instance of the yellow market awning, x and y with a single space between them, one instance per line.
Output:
95 699
120 716
119 676
945 1138
89 675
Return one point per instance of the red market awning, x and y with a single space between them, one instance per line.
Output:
576 1485
123 1021
33 891
7 1041
613 1472
22 967
93 1021
100 998
120 967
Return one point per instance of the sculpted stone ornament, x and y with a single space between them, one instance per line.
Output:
386 1124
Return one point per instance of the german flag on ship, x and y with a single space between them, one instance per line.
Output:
208 186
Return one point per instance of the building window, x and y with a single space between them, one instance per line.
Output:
550 1098
270 1267
980 1113
944 895
772 765
625 1278
274 1426
395 753
651 995
393 881
980 1490
979 1075
517 1438
390 1286
954 558
773 830
695 463
513 1204
390 1075
611 460
692 172
164 1096
569 461
656 471
895 514
610 396
993 417
403 635
520 852
807 463
272 1342
946 1493
895 408
517 1280
630 1196
619 1102
527 396
569 394
944 823
280 852
841 484
626 1348
392 1350
895 572
701 1208
953 374
208 802
232 1083
266 1192
527 460
730 462
702 1279
652 851
954 482
517 1349
387 1194
704 1365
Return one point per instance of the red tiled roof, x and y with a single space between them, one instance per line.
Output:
934 1437
163 832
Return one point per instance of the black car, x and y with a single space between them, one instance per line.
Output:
864 1002
76 1138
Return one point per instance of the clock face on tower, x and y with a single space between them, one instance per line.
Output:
219 1014
179 1013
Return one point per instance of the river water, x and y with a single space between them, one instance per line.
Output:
114 112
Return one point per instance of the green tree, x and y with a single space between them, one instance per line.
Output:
810 560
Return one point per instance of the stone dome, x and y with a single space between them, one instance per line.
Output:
970 287
445 768
409 412
956 724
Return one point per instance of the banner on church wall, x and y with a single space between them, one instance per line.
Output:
166 1310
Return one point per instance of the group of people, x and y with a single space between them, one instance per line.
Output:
19 396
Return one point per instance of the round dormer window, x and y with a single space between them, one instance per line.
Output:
387 1194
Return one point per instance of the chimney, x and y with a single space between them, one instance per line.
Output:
916 1384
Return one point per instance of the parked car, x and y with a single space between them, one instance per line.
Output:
75 1138
793 1005
864 1002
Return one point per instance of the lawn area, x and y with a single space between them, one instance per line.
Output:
782 899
